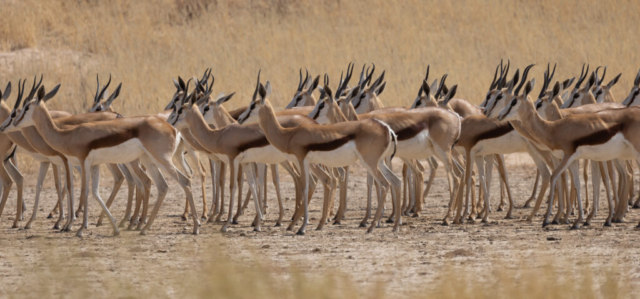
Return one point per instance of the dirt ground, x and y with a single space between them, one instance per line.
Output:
411 259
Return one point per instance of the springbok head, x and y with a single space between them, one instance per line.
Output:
34 101
633 97
579 96
102 100
367 99
426 93
304 93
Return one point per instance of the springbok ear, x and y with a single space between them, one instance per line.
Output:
114 95
328 91
527 88
445 89
268 89
313 86
425 88
224 99
434 86
592 80
262 92
450 94
614 81
40 93
181 83
533 83
200 101
354 92
556 90
7 91
49 95
567 83
380 89
177 85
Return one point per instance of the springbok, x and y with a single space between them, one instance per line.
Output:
601 136
422 133
121 140
234 144
333 145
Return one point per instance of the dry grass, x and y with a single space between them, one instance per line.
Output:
75 273
146 43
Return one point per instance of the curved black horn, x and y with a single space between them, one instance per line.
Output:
370 75
426 77
255 93
495 76
20 91
524 78
103 89
35 87
604 73
95 96
444 77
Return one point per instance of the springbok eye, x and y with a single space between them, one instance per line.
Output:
26 108
321 105
362 96
179 110
513 103
488 96
575 96
206 108
499 97
539 105
253 105
636 92
298 99
99 108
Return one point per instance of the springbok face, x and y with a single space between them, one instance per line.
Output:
10 117
304 93
632 99
213 107
510 111
4 109
24 117
501 97
100 101
186 102
363 102
579 95
602 93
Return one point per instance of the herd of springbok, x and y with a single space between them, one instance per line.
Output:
317 140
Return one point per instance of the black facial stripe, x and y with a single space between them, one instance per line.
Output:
494 106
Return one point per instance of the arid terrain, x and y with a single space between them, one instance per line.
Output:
417 259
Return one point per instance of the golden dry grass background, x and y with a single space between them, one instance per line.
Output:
146 43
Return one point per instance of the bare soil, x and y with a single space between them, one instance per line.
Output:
411 259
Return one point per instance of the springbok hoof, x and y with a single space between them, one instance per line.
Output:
80 234
363 224
224 229
545 224
337 222
116 233
500 209
300 233
390 220
555 222
575 226
278 224
236 222
50 216
28 226
196 231
607 224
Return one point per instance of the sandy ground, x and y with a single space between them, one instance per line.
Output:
411 259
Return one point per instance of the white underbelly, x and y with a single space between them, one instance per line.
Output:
267 155
509 143
122 153
418 147
616 148
339 157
